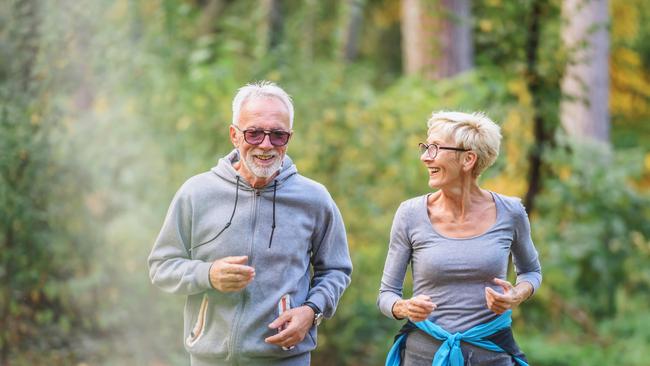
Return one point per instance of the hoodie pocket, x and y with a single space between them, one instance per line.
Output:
199 327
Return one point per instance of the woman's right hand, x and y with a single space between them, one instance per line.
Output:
416 308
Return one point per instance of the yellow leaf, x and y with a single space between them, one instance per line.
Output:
183 123
485 25
564 173
101 105
626 22
520 90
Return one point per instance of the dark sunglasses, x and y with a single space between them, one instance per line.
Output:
432 149
255 136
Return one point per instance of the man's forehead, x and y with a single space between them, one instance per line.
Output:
269 104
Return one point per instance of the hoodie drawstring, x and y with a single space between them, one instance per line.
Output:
229 221
275 188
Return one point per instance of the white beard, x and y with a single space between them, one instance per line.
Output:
260 171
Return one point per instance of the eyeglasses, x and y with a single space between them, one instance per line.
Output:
432 149
255 136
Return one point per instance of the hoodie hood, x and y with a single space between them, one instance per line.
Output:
225 170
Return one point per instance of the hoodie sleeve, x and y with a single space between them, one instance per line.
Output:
170 265
330 261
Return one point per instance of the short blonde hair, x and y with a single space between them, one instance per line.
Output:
473 131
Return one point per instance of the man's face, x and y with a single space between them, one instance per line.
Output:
264 160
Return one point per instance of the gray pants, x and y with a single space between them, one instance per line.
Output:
421 347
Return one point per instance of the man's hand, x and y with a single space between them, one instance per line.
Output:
510 298
297 322
231 274
416 308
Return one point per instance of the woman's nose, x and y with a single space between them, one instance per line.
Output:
425 156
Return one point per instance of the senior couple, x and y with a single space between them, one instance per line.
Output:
261 253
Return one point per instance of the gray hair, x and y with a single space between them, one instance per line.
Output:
473 131
260 89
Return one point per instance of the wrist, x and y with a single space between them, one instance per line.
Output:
318 314
312 306
212 286
398 310
523 291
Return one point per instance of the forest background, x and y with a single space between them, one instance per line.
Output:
107 107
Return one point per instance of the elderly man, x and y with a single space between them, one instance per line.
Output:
259 250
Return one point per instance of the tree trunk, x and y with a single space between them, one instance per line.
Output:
23 43
210 15
436 38
273 27
353 20
308 37
5 313
584 108
534 84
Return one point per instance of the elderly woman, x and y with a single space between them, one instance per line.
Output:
458 240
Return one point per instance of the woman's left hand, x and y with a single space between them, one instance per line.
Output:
510 298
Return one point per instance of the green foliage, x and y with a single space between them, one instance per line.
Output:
38 255
601 232
622 341
109 107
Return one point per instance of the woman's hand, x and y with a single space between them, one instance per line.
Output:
511 297
416 308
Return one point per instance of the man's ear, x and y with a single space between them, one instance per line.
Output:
233 136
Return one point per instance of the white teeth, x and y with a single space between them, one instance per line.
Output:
434 170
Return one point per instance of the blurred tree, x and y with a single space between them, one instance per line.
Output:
308 36
37 256
436 37
127 99
273 23
630 75
353 11
211 12
23 156
584 109
539 86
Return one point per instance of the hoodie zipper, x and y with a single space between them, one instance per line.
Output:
235 325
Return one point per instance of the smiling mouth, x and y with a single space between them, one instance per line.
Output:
264 157
433 170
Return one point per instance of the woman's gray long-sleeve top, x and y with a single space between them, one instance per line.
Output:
454 272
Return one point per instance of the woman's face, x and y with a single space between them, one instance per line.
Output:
445 166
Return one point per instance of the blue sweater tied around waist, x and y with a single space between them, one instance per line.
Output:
449 352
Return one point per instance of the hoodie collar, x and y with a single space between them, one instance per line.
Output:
225 170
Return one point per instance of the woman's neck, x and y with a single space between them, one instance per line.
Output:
459 200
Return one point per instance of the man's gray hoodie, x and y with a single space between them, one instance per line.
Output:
288 229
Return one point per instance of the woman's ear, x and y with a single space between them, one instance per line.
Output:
469 161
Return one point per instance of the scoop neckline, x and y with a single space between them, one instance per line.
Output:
496 220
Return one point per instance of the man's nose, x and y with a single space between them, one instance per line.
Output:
266 142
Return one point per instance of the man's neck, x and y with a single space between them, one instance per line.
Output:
254 181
